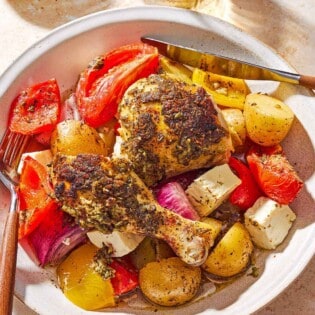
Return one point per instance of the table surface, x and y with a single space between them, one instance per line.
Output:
286 26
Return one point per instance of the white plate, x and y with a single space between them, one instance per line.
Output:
68 49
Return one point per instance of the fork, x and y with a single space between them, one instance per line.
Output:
11 149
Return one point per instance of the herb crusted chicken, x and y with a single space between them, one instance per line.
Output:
169 127
105 194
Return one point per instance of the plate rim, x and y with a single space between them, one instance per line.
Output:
96 20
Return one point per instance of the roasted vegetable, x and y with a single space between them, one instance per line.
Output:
35 201
236 123
214 225
267 119
102 84
36 109
169 282
232 254
274 174
245 195
175 69
108 133
73 137
226 91
55 237
172 196
81 284
126 276
150 249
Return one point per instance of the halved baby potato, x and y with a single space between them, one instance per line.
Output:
232 254
72 137
236 123
170 281
267 119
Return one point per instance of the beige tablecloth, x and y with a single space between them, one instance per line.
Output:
286 26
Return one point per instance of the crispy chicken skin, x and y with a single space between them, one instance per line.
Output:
106 194
169 127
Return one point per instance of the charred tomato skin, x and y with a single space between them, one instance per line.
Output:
274 173
36 109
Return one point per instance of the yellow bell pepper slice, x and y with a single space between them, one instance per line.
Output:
226 91
176 69
81 284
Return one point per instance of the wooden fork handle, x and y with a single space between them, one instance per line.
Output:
8 262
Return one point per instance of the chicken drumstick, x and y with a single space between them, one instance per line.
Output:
105 194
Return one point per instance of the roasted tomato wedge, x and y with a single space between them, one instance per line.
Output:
102 85
245 195
34 195
36 109
274 173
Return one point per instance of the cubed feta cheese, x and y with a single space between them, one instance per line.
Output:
122 243
44 157
268 222
208 191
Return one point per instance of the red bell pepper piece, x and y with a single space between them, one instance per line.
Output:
274 173
36 109
102 85
35 193
245 195
126 277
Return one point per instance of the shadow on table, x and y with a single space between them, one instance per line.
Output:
50 14
274 22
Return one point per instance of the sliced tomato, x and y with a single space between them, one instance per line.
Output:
126 277
244 195
35 194
274 173
101 86
102 64
36 109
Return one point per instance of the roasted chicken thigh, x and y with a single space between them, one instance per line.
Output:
169 127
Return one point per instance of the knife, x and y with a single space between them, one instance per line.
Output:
224 65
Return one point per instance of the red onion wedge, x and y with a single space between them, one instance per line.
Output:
172 196
53 239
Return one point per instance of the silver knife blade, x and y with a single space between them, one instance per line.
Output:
225 65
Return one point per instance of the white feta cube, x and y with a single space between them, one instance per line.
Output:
44 157
122 243
268 222
207 192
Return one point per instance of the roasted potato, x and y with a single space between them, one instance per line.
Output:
73 137
108 133
170 281
150 249
236 124
267 119
215 226
232 254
